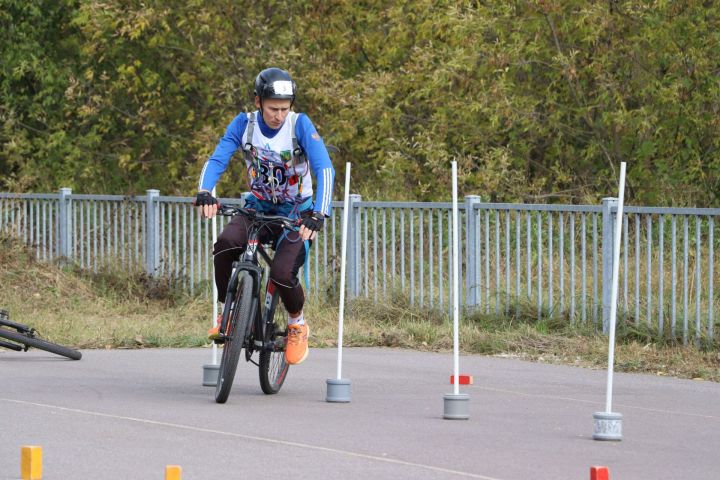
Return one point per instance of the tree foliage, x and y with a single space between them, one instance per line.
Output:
537 100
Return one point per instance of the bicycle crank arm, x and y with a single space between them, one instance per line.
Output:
274 346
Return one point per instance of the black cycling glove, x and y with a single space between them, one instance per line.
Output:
313 221
205 198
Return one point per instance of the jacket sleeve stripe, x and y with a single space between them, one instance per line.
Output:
202 175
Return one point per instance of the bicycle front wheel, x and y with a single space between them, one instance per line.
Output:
273 367
240 318
40 344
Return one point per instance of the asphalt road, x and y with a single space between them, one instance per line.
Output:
126 414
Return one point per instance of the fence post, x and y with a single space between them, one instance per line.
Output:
152 232
353 246
608 236
471 293
64 245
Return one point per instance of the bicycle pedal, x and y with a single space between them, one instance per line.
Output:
277 345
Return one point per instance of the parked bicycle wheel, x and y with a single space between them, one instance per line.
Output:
240 319
272 367
39 343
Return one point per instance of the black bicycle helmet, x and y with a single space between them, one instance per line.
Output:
275 83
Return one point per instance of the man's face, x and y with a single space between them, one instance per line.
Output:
274 111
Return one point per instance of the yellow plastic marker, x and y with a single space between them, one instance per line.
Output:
31 463
173 472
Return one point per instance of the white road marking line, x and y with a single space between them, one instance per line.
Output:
252 437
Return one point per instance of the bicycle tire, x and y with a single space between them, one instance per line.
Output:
40 344
273 367
241 316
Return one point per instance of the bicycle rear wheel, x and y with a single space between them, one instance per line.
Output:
273 367
41 344
240 318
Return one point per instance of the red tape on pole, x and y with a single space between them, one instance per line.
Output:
464 379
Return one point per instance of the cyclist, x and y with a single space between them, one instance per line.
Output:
281 148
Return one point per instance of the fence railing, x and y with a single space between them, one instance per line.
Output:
555 258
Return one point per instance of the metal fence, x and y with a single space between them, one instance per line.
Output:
553 259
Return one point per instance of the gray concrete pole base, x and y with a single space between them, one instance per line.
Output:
608 426
456 406
338 390
210 375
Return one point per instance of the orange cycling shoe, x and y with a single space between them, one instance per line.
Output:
214 333
297 343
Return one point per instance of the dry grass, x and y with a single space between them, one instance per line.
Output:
95 311
398 325
107 311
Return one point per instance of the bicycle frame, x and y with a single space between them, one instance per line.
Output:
6 322
19 337
247 323
250 263
20 328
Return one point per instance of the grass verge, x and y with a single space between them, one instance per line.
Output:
102 310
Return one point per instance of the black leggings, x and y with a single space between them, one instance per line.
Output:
289 257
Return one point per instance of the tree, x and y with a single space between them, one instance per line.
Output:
537 100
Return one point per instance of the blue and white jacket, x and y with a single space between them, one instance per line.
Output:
275 173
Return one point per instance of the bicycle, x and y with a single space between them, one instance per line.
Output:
246 321
19 337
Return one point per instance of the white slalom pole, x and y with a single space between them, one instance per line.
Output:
456 403
456 283
211 370
215 292
614 296
608 424
338 389
343 256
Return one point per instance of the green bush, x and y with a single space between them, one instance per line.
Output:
538 101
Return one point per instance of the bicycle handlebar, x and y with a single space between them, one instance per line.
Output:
254 215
